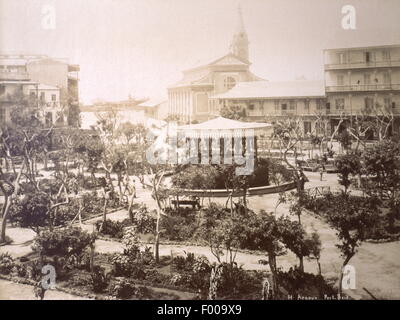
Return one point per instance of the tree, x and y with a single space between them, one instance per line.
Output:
27 137
382 166
132 134
159 193
345 139
290 133
36 210
295 238
314 243
224 238
351 217
261 232
348 164
10 191
234 112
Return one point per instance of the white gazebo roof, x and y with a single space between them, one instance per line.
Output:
222 123
222 126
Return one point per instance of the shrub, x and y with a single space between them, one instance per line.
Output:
304 284
20 270
31 211
193 272
153 276
132 262
143 220
178 228
81 280
184 263
93 204
114 229
123 289
7 263
99 279
64 243
238 283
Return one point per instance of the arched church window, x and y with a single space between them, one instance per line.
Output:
229 82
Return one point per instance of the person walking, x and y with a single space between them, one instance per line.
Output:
321 171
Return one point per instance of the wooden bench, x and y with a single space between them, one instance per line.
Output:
193 203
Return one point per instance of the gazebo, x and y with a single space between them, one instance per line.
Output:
226 137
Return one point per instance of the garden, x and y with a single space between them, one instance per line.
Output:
65 186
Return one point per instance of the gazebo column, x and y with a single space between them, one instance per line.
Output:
198 141
255 150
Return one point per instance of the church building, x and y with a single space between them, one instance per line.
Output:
190 99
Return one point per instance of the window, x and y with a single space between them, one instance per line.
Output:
341 58
251 107
386 78
276 105
42 96
53 97
369 102
284 106
387 103
320 128
368 57
340 80
292 105
306 105
319 104
33 94
339 104
229 83
328 106
385 55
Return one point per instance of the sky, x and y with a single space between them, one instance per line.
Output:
140 47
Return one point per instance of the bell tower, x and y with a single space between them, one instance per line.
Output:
240 42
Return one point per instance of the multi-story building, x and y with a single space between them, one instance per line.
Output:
358 82
50 74
46 98
189 99
271 101
363 80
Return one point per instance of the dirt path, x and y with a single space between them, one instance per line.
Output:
16 291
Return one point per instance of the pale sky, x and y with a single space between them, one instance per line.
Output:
140 47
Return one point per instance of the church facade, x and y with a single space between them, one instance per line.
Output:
191 98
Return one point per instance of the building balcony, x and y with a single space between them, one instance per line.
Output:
362 65
14 76
363 87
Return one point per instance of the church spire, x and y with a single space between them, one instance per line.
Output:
240 42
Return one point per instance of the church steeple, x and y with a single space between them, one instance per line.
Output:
240 41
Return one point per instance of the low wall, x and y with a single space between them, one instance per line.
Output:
219 193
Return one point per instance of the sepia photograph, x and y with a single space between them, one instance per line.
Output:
181 151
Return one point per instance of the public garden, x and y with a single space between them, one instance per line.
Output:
115 227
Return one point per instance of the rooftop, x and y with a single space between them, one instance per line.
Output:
151 103
222 123
277 89
388 46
